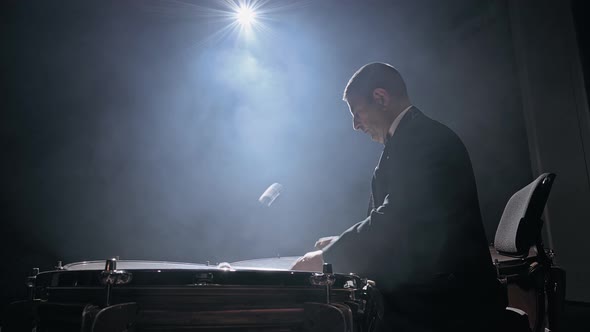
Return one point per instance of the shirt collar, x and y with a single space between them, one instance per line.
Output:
397 120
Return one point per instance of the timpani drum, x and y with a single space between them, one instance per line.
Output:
139 295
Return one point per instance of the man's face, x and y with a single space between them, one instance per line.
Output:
368 117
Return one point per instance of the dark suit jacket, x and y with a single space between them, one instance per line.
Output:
423 242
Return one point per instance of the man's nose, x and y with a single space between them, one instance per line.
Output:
356 124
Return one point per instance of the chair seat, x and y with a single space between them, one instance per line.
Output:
502 258
510 266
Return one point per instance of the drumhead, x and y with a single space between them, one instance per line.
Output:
136 265
273 263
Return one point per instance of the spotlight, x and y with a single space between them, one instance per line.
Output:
245 15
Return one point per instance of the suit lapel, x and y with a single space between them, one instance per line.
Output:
380 176
377 193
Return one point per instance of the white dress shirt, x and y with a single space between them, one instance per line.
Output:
397 120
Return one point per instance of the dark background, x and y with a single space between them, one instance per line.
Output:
136 129
580 14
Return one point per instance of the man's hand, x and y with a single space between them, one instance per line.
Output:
325 241
312 261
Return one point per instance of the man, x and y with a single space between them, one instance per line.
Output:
423 242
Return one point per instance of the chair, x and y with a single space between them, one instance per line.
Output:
521 224
518 243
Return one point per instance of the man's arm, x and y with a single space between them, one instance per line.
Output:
412 225
350 252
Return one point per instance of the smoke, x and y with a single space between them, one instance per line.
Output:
142 145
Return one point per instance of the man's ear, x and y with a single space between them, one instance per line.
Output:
381 97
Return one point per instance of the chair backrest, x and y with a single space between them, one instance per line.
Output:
520 225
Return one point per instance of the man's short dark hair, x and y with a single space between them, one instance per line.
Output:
372 76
